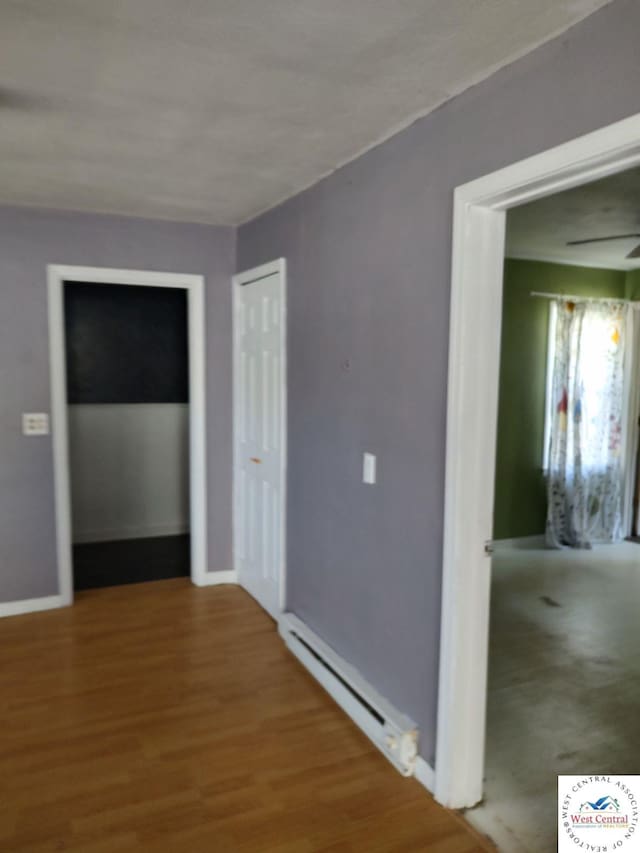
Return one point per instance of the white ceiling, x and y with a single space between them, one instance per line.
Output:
214 110
541 229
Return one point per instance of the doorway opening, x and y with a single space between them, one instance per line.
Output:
564 581
127 380
474 359
128 414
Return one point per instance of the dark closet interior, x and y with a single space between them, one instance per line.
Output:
126 353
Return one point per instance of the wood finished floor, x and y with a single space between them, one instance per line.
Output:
164 718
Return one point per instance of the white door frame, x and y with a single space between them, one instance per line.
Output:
631 431
474 360
57 275
239 280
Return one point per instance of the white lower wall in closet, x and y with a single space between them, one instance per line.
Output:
129 470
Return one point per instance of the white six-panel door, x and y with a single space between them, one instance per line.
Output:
259 432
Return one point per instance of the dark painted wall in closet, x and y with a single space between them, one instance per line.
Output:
126 344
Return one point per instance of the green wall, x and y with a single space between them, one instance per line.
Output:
520 500
632 287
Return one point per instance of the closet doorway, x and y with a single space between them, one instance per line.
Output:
127 375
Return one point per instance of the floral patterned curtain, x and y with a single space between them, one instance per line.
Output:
585 474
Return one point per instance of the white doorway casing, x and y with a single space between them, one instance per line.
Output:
260 433
631 420
474 361
194 285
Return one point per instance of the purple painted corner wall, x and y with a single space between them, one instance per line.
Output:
29 240
368 250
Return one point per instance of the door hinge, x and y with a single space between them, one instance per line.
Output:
488 547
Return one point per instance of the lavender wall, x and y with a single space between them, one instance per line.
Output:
29 240
369 263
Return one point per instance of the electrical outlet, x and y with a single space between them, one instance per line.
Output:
369 469
35 423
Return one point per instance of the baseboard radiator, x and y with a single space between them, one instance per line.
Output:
395 735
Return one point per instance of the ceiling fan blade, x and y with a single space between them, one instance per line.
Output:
635 253
601 239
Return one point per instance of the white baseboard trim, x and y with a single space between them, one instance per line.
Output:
32 605
425 774
520 543
215 578
114 534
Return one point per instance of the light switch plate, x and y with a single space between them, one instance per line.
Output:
35 423
369 469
